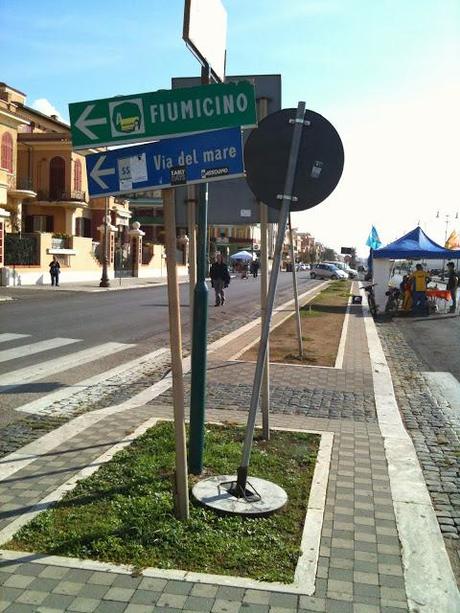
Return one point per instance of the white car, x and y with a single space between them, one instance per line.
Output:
327 271
351 272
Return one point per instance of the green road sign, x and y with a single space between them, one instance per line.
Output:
162 114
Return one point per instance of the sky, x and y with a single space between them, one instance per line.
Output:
385 73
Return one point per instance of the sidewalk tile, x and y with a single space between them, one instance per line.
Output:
146 597
171 600
177 587
68 587
120 594
204 590
83 605
287 601
256 597
310 603
19 581
197 603
225 606
31 597
57 601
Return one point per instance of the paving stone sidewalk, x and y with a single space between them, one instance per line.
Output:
359 566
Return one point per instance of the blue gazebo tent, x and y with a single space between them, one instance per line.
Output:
412 246
415 245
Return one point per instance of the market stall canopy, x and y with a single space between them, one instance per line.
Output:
415 245
241 255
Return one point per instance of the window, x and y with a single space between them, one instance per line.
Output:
7 152
77 176
39 223
57 178
83 227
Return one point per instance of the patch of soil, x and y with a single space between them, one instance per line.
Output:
321 321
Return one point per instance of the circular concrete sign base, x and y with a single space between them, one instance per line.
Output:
261 497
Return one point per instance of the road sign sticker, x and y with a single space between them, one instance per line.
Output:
127 117
179 175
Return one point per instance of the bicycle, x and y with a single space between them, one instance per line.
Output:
392 304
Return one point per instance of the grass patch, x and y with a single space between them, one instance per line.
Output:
321 323
124 512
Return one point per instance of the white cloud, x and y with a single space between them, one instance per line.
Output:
44 106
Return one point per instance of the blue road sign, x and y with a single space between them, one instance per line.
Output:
199 158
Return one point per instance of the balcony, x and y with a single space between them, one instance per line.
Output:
61 196
19 188
24 183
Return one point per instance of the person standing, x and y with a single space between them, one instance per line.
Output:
420 279
220 278
452 284
55 269
255 265
406 292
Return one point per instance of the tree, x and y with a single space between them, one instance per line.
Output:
329 254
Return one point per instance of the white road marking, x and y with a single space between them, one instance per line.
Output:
38 406
38 347
23 376
5 337
447 385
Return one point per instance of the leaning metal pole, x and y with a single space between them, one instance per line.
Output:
286 197
296 293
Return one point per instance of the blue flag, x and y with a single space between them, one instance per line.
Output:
373 240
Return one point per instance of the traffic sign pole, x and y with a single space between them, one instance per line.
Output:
200 331
286 197
175 340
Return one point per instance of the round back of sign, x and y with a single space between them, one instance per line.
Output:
319 165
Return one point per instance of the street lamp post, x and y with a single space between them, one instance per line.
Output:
105 258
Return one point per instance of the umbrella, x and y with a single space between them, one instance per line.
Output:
241 255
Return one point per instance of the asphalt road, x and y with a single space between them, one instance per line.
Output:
135 317
127 316
436 340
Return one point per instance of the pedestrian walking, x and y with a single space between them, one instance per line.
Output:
452 284
420 279
255 265
220 278
55 269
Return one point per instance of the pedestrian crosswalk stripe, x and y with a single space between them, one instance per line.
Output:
26 375
23 350
6 336
42 404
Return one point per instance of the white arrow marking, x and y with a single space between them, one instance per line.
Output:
83 123
96 173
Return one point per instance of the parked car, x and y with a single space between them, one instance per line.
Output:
327 271
351 272
302 266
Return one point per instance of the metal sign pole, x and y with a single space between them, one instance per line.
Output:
296 293
286 197
265 393
181 494
191 224
200 329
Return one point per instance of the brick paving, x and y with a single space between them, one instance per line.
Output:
359 566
